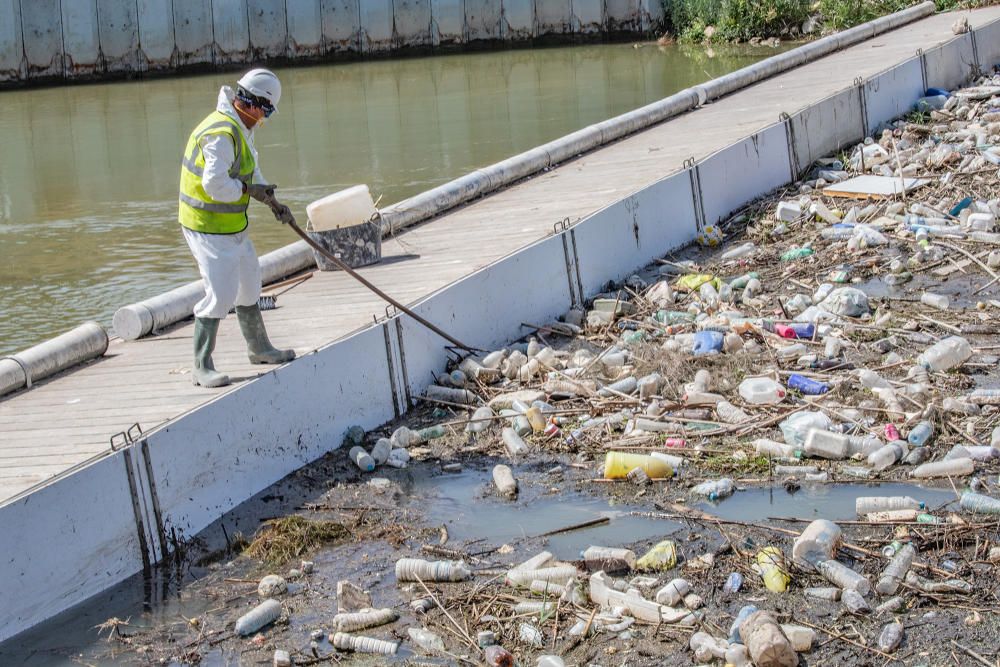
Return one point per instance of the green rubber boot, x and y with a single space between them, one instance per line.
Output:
259 348
204 373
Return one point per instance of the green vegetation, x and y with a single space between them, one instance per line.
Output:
743 20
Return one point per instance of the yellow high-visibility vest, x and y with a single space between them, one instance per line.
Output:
197 210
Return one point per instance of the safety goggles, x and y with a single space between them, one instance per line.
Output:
253 100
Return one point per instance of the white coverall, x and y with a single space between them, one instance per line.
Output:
227 262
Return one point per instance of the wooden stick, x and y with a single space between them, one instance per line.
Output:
972 654
843 638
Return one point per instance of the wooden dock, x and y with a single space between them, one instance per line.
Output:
63 422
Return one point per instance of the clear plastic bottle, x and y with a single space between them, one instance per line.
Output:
738 656
481 420
773 449
671 594
739 251
890 637
761 391
609 558
895 572
951 468
409 569
854 602
426 639
362 459
381 450
921 434
818 542
939 301
263 614
867 504
886 456
715 489
504 480
945 354
797 426
827 445
730 414
359 644
706 647
872 380
979 504
549 661
513 442
837 573
824 593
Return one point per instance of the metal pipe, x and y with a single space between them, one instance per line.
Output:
87 341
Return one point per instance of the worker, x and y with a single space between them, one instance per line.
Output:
219 176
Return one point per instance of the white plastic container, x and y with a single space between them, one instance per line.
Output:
827 445
597 554
348 207
761 391
886 456
947 353
801 637
773 449
818 542
673 592
895 571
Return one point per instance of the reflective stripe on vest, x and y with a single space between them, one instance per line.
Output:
198 211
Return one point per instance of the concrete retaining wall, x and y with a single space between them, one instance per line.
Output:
92 527
45 40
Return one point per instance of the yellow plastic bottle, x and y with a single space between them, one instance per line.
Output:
660 558
771 564
536 419
618 464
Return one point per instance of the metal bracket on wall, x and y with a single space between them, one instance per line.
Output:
402 400
793 159
859 82
923 68
977 68
142 489
696 195
572 261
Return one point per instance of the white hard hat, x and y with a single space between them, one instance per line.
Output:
262 83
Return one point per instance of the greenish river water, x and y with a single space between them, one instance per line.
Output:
88 174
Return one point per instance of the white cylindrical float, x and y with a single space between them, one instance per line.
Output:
87 341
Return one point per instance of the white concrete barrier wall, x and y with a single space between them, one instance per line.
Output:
66 542
41 27
828 125
81 42
614 242
988 45
482 19
156 34
341 26
11 44
88 531
447 22
268 29
518 19
588 16
553 17
119 34
888 95
412 23
741 172
950 64
193 32
305 27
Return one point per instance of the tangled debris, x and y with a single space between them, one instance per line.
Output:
844 333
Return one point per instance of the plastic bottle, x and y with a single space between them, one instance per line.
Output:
890 637
734 627
362 459
895 572
618 464
771 564
265 613
481 420
837 573
818 542
530 635
766 643
345 642
410 569
549 661
425 639
733 584
807 386
349 622
773 449
609 558
707 342
504 480
671 594
939 301
715 489
854 602
824 593
513 442
797 426
796 253
945 354
706 647
498 656
886 456
827 445
761 391
381 450
799 636
660 558
868 504
951 468
730 414
977 503
921 434
739 251
523 577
